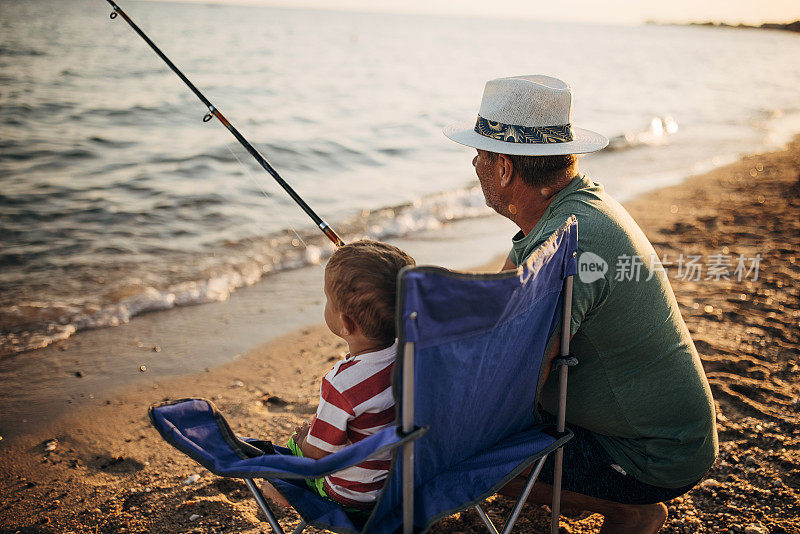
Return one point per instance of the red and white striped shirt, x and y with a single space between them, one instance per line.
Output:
355 402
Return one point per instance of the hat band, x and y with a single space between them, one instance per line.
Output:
512 133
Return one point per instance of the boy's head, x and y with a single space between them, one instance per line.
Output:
360 285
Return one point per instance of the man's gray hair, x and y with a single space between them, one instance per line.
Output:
539 171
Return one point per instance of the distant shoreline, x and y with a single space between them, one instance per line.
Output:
788 26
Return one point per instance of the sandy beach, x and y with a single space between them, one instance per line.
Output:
104 469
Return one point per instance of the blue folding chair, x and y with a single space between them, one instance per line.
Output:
466 382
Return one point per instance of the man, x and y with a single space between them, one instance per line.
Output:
638 400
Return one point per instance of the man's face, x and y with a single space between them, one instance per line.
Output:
487 168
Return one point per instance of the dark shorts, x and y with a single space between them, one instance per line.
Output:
589 470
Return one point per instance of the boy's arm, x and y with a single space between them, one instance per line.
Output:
308 450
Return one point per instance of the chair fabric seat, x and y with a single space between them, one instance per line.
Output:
318 511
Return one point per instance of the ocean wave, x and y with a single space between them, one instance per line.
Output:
42 154
112 143
34 325
659 129
20 51
35 111
125 116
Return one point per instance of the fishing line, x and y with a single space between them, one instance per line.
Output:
263 191
214 112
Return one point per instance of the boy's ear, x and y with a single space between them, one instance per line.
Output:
348 324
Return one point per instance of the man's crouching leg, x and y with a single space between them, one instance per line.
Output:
636 518
618 518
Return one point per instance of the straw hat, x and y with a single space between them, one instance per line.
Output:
526 116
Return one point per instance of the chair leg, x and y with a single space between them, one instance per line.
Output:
561 418
523 496
486 520
262 503
556 506
300 528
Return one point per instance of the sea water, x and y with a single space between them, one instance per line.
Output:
116 199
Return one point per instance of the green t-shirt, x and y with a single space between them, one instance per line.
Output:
639 384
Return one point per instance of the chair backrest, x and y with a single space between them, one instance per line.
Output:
479 342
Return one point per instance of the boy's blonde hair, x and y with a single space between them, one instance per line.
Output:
362 278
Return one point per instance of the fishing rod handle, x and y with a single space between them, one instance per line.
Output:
332 235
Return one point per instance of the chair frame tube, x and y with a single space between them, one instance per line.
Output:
524 495
408 426
566 322
485 519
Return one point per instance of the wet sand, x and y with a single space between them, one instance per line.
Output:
109 471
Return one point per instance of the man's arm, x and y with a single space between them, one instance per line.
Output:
552 356
508 265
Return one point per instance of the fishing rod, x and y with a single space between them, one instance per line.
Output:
214 112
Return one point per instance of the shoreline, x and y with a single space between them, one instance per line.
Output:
84 371
780 26
110 471
245 263
252 260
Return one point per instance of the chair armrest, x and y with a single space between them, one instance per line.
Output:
287 466
196 428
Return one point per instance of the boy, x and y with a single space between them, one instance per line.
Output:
356 395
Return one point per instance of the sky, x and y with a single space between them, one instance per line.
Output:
605 11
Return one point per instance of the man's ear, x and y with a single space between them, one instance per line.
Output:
349 325
506 170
